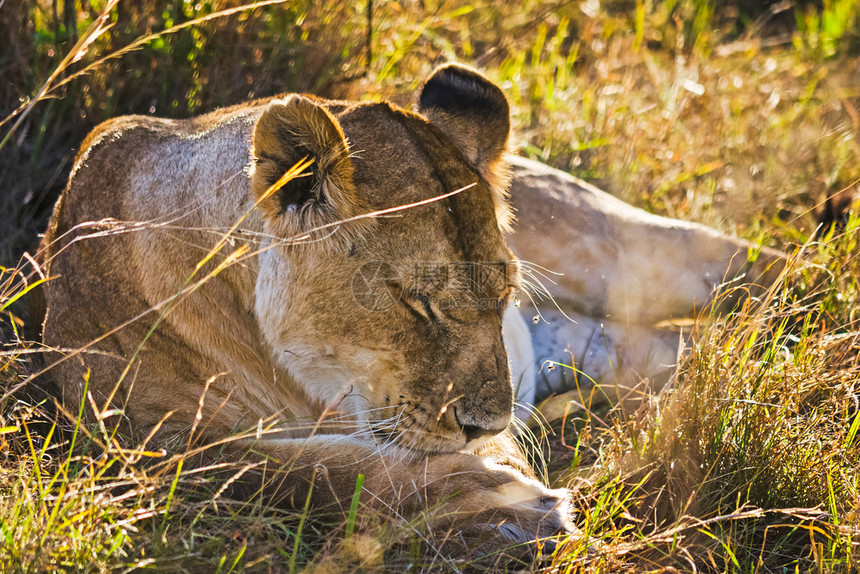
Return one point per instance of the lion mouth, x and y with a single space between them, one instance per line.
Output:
420 441
428 442
413 427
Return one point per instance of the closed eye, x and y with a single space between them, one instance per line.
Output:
420 303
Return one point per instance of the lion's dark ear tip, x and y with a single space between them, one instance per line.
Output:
454 86
835 211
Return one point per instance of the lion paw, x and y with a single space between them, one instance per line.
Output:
523 511
490 509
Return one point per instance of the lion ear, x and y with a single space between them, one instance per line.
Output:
288 131
471 109
475 114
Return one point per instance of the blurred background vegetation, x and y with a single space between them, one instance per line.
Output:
740 114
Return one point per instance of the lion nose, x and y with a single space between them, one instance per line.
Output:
475 428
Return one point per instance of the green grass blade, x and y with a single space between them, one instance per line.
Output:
304 518
21 293
353 507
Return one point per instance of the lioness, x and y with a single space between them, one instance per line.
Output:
351 335
353 344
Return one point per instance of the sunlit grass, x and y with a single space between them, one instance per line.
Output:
747 463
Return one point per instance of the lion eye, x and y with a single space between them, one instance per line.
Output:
420 303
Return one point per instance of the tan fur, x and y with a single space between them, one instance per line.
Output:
415 395
614 276
278 340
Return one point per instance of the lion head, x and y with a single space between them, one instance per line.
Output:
403 308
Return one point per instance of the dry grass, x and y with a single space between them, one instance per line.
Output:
749 461
745 120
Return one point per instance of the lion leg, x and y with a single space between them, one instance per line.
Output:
600 275
599 358
604 258
469 500
602 359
